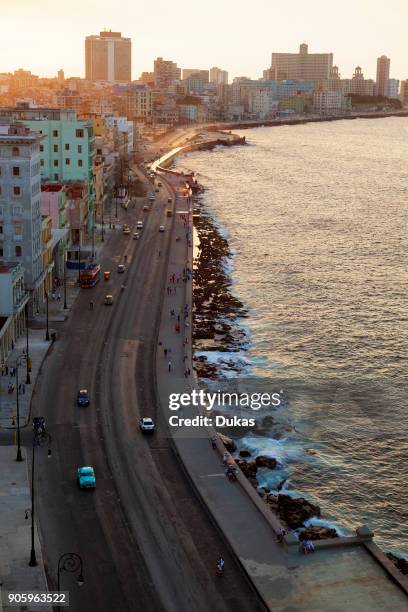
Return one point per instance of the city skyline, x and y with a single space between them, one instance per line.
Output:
169 37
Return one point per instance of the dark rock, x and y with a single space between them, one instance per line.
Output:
253 481
244 453
314 532
248 468
264 461
296 510
399 562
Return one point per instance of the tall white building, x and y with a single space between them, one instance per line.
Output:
108 58
393 88
20 204
218 76
329 102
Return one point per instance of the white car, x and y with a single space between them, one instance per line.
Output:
147 425
145 208
161 228
121 269
136 236
139 225
151 198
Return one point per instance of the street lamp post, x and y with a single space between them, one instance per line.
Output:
93 233
28 380
79 259
102 222
70 562
65 278
19 361
39 439
116 202
47 333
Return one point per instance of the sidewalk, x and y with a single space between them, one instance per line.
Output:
15 494
15 536
339 578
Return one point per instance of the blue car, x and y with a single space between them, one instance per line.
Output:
83 398
86 477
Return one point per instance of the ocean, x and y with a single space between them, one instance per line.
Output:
316 218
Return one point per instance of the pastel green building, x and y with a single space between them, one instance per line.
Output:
68 148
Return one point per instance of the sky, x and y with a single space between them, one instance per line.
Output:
235 35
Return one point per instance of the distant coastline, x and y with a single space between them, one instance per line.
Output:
240 125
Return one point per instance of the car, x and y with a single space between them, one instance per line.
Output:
121 268
125 226
159 184
136 235
83 398
169 200
147 425
145 208
86 477
151 198
157 190
126 231
161 228
139 225
108 300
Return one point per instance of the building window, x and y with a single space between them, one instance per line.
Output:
55 133
41 162
79 163
67 161
16 171
18 228
15 152
41 148
79 133
18 251
55 148
1 252
79 148
55 163
56 176
16 190
1 229
67 146
0 190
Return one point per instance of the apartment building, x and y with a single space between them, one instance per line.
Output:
13 300
165 72
218 76
139 101
67 146
20 204
330 102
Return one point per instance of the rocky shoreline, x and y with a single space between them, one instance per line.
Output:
216 315
216 311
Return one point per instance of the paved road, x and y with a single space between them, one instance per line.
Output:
146 542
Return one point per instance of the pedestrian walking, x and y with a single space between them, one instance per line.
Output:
58 297
169 366
178 318
165 352
23 387
6 369
188 371
19 388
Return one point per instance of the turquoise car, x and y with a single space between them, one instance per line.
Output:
86 477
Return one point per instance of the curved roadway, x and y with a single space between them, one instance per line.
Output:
146 542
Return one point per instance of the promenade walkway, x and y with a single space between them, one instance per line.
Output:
345 578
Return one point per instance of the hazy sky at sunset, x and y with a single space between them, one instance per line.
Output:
237 35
